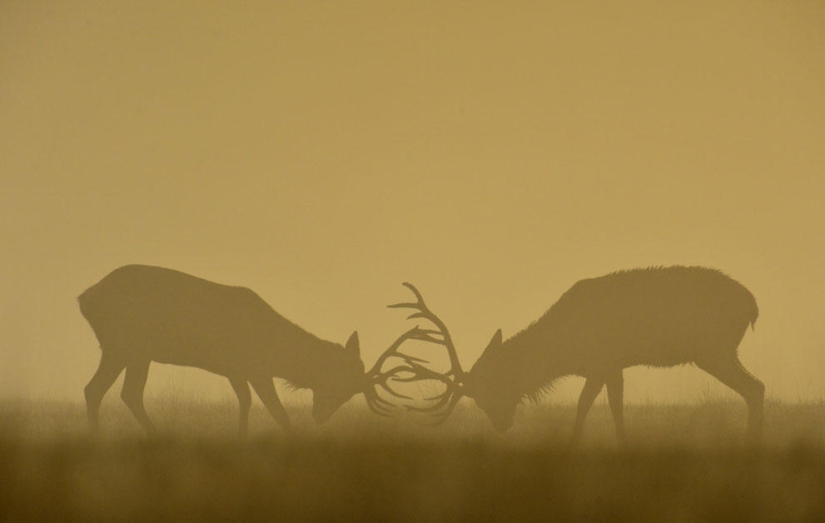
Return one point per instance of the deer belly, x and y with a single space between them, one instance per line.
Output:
217 358
656 351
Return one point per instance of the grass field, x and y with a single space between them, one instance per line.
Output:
684 463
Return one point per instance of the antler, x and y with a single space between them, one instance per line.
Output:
378 379
413 368
440 336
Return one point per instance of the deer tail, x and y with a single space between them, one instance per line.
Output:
753 313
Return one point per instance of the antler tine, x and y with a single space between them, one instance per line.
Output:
423 373
392 350
425 313
377 404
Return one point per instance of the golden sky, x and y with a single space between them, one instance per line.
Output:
493 153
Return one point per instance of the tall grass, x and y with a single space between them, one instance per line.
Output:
684 463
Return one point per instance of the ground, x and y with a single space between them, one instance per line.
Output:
683 463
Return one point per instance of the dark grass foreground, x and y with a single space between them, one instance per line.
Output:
360 469
164 480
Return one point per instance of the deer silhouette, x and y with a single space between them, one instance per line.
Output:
660 317
141 314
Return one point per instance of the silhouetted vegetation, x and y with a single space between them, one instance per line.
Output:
685 462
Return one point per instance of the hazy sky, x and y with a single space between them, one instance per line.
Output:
493 153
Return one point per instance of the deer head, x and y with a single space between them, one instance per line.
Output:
341 380
490 386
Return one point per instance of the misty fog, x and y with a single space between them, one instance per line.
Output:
322 153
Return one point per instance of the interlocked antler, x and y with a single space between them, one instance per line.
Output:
378 379
412 369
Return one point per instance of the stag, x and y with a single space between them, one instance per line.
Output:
660 317
142 314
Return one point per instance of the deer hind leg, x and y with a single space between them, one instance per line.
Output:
592 388
729 370
107 372
132 392
266 391
615 396
241 388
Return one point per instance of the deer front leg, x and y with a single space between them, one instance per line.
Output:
241 388
591 389
266 391
132 392
615 396
107 372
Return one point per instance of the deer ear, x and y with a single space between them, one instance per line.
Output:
496 338
353 344
495 343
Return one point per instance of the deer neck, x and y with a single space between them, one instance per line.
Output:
529 365
299 358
